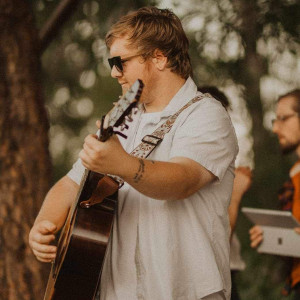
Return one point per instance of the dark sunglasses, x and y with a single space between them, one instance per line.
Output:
118 62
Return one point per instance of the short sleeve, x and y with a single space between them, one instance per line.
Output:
207 136
77 171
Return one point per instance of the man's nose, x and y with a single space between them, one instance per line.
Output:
115 73
275 128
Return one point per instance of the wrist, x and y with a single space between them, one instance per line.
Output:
127 166
237 192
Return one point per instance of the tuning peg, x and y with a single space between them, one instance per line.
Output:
128 118
124 126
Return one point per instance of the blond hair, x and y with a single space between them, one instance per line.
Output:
151 28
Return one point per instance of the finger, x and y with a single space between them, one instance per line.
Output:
85 159
42 255
91 140
255 229
41 248
87 148
98 124
91 144
42 238
91 148
297 229
256 242
45 260
46 227
256 236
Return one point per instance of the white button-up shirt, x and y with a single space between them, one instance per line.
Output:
174 250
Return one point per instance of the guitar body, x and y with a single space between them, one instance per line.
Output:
76 272
81 249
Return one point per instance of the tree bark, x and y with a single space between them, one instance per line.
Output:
253 66
25 165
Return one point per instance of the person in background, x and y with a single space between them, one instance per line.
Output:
170 238
286 126
242 182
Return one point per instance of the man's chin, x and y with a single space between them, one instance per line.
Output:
287 149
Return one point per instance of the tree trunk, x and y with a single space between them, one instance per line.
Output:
253 66
24 158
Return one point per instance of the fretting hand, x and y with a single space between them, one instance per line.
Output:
103 157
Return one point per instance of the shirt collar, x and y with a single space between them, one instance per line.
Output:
187 92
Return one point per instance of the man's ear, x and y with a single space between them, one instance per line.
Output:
159 60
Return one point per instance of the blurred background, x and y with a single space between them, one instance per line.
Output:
55 83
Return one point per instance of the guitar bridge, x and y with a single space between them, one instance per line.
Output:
105 187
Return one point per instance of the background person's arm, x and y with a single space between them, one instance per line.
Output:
241 184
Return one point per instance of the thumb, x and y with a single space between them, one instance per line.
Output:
47 227
98 124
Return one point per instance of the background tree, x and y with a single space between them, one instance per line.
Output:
25 166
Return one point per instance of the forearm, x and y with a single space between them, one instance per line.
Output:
233 211
241 184
173 180
176 179
235 201
58 202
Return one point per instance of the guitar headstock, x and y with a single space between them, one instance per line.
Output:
123 108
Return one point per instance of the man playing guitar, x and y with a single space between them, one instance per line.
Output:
170 238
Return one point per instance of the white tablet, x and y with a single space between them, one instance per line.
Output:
278 231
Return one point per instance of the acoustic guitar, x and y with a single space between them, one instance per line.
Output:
76 272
